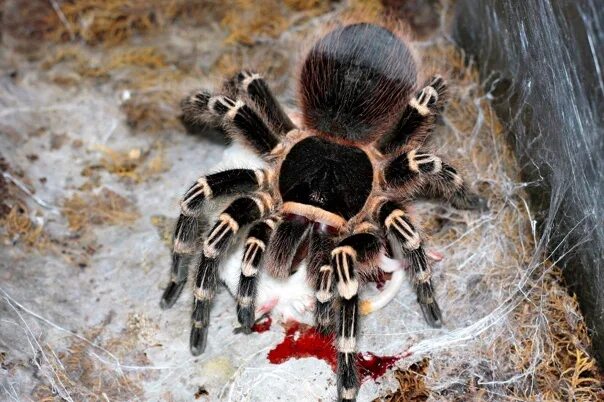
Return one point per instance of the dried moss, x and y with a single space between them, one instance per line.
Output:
248 20
18 225
412 387
18 228
152 111
313 6
105 207
86 377
564 370
108 22
365 10
165 228
149 82
135 165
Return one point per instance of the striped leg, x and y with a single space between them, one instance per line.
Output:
432 178
321 274
187 235
239 119
255 245
255 87
219 184
243 122
242 211
406 239
419 118
357 248
449 185
190 225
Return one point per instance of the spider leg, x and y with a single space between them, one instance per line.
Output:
418 118
190 225
243 122
285 243
242 211
187 235
195 114
355 249
218 184
238 118
255 87
320 273
405 239
431 177
255 244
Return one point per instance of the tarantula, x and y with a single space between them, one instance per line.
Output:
336 191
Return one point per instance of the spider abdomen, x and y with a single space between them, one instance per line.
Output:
356 81
333 177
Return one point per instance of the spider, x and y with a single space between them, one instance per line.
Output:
336 190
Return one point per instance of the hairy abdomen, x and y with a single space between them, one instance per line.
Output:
356 81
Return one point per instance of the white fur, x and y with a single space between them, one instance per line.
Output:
293 299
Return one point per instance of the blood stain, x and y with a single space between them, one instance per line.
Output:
373 366
381 279
263 325
303 341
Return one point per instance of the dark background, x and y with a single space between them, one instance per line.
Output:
542 62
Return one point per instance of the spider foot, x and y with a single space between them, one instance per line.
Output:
194 115
247 329
180 264
432 314
470 201
424 100
438 83
171 294
245 78
199 328
429 306
245 316
198 340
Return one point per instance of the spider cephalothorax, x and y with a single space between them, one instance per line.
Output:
334 192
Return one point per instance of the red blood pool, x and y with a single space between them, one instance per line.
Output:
262 326
303 341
